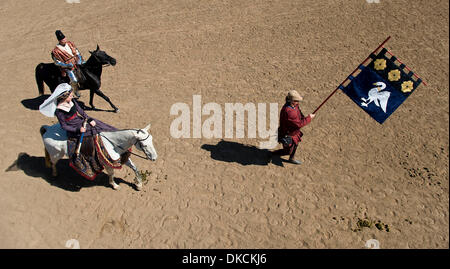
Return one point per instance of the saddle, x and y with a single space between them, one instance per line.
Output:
86 163
80 74
93 157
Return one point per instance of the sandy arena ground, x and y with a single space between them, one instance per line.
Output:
209 193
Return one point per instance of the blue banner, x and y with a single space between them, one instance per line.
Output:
381 87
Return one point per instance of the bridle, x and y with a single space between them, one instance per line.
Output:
98 60
137 141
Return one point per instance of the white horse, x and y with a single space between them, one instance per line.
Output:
116 143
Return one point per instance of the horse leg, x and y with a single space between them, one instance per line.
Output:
102 95
48 163
110 172
48 160
39 79
94 85
54 171
91 98
138 178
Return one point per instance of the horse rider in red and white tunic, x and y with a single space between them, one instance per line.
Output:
67 57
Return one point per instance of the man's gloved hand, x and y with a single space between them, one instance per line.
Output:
81 63
80 60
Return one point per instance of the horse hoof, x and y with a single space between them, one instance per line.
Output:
138 186
116 110
116 187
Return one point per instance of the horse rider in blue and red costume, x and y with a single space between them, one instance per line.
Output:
67 57
71 118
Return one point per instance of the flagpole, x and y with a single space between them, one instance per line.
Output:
337 88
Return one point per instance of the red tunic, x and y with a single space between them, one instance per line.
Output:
65 57
291 120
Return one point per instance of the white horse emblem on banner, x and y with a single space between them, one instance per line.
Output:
378 96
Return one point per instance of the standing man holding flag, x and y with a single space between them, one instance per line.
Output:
379 89
291 120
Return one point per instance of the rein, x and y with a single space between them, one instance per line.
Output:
137 140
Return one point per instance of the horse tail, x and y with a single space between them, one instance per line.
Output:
39 79
48 163
43 129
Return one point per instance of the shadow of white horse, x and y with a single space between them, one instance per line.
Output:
116 143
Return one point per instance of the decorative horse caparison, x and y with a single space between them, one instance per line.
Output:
116 143
91 70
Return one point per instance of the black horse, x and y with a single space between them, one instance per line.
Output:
90 78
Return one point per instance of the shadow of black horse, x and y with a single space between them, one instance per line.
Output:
228 151
34 104
68 179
